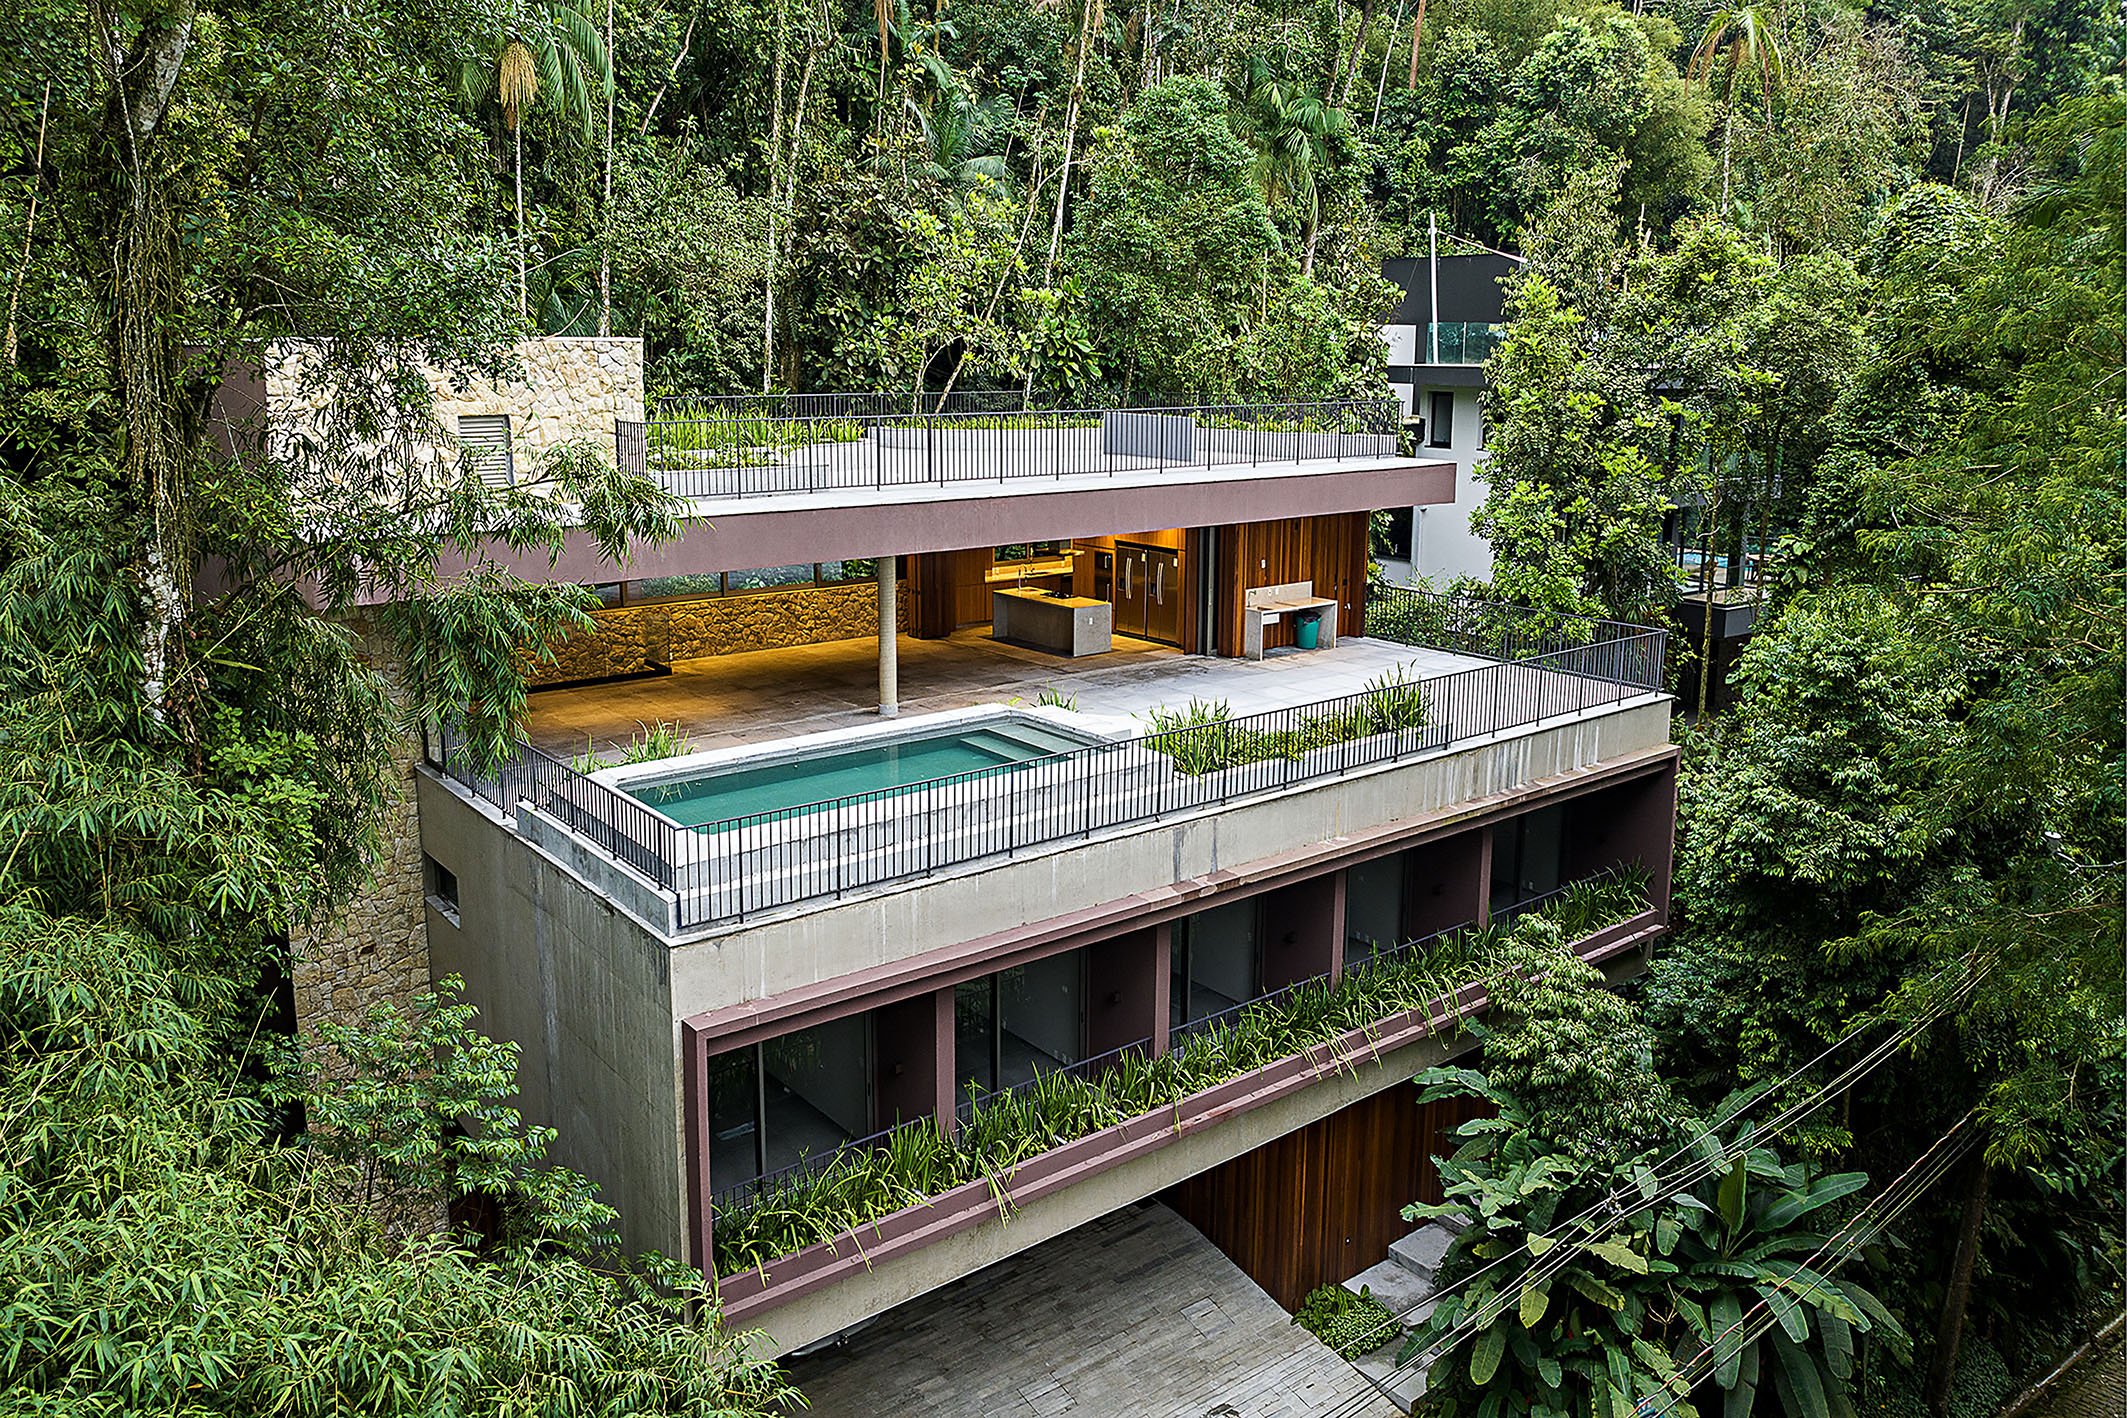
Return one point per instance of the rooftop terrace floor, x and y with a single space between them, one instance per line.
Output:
763 695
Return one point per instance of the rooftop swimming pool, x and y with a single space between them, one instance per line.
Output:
749 786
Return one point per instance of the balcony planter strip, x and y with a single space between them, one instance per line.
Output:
749 1294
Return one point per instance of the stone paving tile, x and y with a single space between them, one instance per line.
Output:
762 695
1132 1316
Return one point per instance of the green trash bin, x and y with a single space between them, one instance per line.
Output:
1307 629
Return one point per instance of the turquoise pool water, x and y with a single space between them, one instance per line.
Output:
741 791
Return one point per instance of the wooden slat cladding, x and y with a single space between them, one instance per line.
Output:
1328 551
1322 1204
949 591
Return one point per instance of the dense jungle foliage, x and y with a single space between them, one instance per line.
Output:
1851 273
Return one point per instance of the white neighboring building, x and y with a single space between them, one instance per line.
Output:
1437 371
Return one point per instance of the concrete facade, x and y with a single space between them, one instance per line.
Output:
1442 545
599 999
736 533
630 639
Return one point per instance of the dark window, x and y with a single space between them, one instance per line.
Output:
769 578
798 1095
1392 534
1440 427
441 884
839 573
674 588
1028 551
1009 1026
608 593
1525 856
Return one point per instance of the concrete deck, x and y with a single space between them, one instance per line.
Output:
764 695
1134 1315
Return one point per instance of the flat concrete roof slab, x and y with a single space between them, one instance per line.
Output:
1134 1315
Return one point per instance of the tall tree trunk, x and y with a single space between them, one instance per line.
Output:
1964 128
775 158
790 189
145 294
1063 180
1942 1367
29 227
686 42
1336 57
1388 52
523 298
605 211
1728 125
1351 65
1417 33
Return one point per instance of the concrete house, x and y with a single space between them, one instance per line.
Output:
938 838
1441 333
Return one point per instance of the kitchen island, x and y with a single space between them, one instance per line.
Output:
1063 625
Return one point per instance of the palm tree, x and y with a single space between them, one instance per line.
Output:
1735 41
964 136
557 54
1292 128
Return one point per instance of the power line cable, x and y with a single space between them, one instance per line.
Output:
1695 1172
1894 1200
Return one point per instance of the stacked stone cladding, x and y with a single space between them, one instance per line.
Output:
374 950
572 387
629 639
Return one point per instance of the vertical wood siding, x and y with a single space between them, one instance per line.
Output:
1322 1204
1329 551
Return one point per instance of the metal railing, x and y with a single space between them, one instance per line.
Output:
613 822
631 449
855 403
1543 666
754 1188
729 450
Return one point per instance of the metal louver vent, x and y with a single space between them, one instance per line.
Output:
487 438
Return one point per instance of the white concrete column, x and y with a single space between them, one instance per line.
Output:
889 644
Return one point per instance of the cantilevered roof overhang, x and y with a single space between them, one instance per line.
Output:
781 529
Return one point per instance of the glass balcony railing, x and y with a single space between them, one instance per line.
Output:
1462 342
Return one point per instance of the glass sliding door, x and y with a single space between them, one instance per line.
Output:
1525 857
1373 906
1215 961
975 1036
1041 1017
816 1090
734 1117
1009 1026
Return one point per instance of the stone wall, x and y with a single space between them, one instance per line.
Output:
629 639
573 387
375 950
